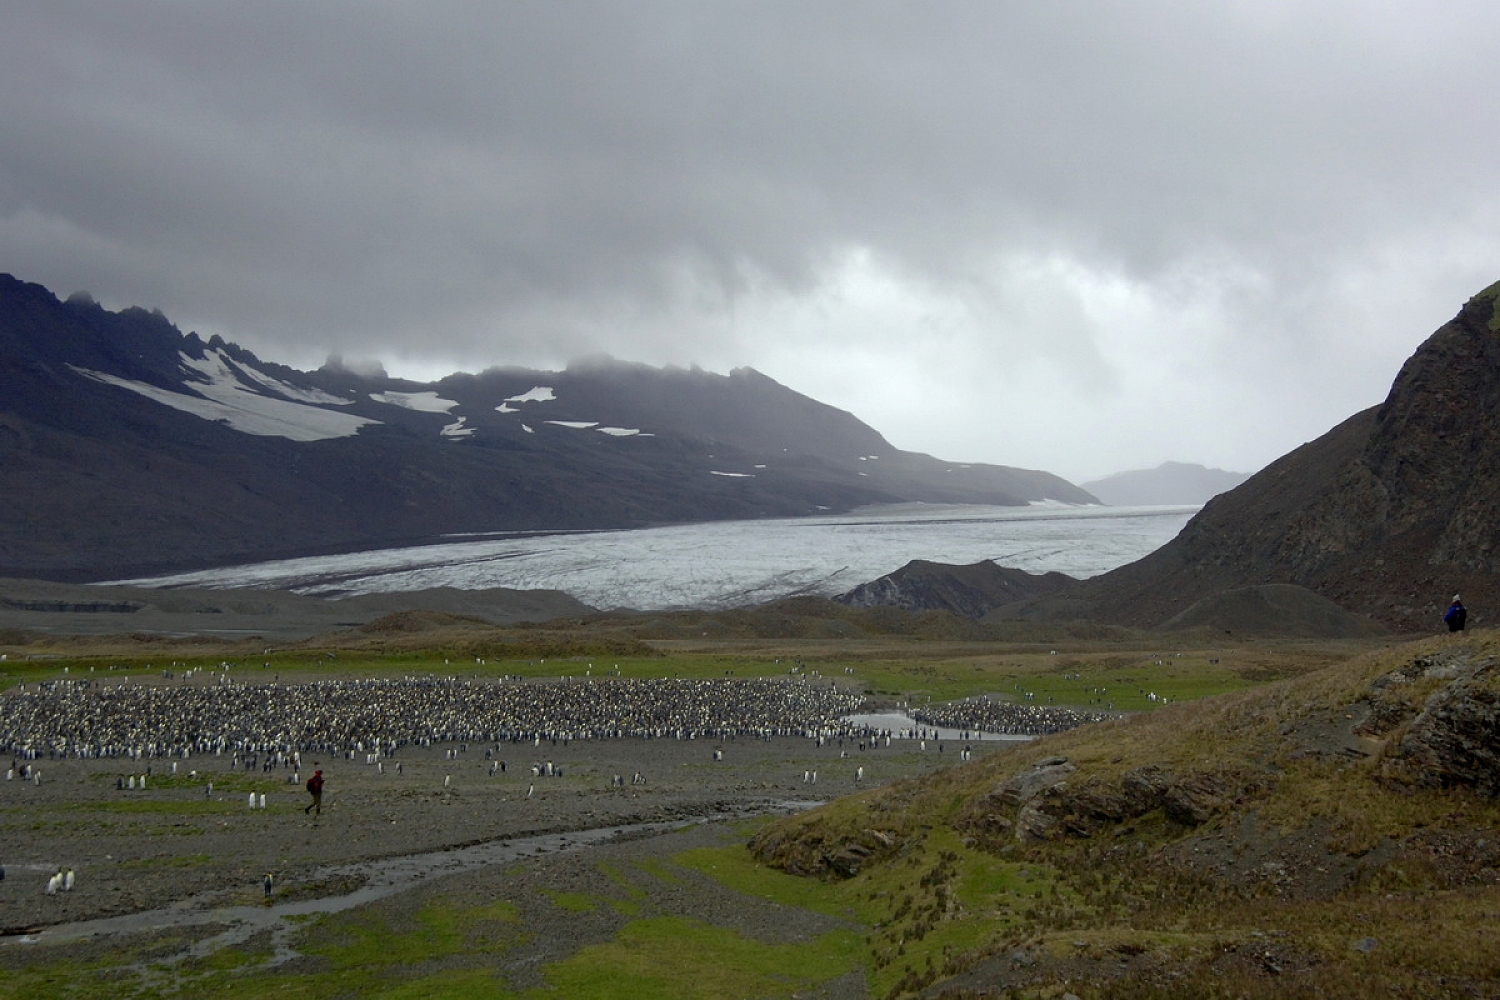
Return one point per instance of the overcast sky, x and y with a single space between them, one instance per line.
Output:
1083 237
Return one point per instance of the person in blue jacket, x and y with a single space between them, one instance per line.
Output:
1456 615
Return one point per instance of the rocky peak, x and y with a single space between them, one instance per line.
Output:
1388 514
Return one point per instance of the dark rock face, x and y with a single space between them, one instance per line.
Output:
1041 803
1454 740
1449 706
840 858
132 448
1387 515
972 591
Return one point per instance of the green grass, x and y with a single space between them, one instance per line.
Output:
223 781
735 868
691 960
938 903
366 955
574 902
64 981
303 666
1099 681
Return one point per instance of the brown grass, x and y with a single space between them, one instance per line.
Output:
1326 879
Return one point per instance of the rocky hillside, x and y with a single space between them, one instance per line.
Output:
1330 835
131 448
1387 515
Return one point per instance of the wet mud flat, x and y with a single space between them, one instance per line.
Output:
198 926
523 904
176 844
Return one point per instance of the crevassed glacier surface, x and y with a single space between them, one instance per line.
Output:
730 563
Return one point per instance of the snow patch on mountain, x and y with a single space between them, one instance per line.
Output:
457 429
260 378
424 402
225 399
537 394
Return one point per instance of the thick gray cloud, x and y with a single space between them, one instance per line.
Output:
1081 237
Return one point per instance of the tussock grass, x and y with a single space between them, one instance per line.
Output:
1324 844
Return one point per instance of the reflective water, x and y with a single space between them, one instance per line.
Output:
903 726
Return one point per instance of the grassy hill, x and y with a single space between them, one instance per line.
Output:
1327 835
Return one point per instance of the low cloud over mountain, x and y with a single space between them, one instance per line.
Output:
130 447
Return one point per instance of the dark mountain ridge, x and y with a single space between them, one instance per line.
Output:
1388 514
130 447
972 591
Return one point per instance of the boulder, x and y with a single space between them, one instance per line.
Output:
1025 785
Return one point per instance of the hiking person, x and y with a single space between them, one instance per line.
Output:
1456 615
315 789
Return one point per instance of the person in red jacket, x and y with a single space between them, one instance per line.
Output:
315 788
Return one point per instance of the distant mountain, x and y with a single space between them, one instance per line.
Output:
129 447
1168 483
1387 515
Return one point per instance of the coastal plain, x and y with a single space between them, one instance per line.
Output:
599 888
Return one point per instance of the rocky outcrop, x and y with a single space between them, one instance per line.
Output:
1039 803
1452 738
1023 786
838 857
1455 741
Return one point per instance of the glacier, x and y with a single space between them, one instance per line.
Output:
727 564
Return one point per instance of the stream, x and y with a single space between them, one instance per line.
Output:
378 879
